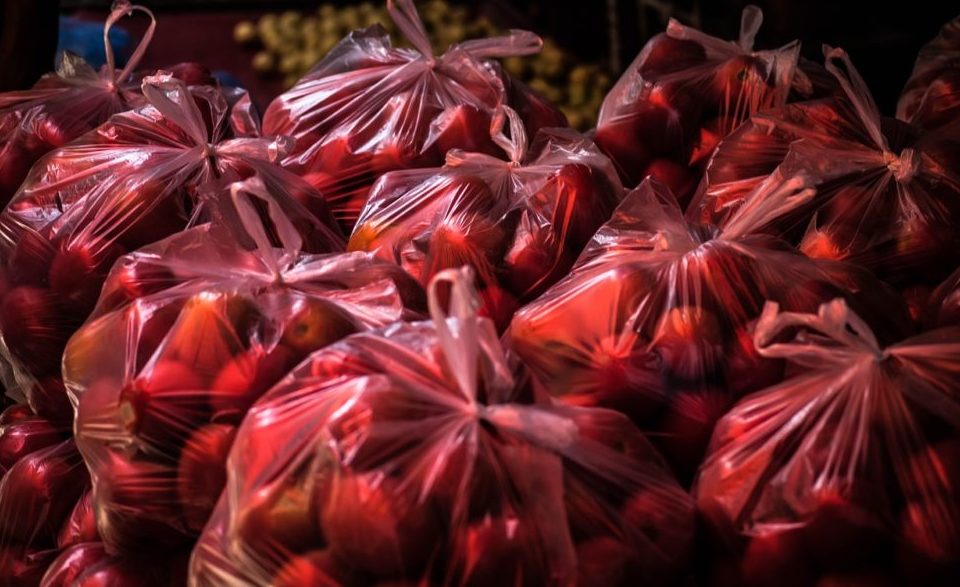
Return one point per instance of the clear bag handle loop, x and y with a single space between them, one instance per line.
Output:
516 43
458 330
118 10
515 146
857 92
241 195
404 14
751 19
173 100
833 319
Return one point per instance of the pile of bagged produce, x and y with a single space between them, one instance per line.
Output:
412 329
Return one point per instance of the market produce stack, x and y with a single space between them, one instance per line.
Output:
417 331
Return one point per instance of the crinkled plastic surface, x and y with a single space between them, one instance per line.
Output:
519 223
888 190
416 454
71 101
655 318
931 97
849 468
369 107
942 308
162 378
134 180
683 93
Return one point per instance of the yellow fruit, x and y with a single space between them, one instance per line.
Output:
245 32
263 62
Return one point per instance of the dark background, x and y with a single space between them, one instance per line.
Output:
883 41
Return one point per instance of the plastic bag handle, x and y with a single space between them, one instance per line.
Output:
459 337
241 195
516 43
404 14
833 319
172 99
779 197
857 91
118 10
750 21
515 146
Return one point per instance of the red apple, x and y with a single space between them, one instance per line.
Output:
633 139
15 413
460 127
81 526
202 474
318 568
163 405
134 278
841 535
746 370
498 551
205 334
315 324
535 111
77 272
136 504
192 74
19 439
605 562
39 491
776 558
30 261
498 305
245 378
30 323
72 562
688 340
656 515
681 180
378 526
113 572
48 398
280 519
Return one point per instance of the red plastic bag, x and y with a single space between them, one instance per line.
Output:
160 382
73 100
850 467
134 180
417 453
682 94
942 308
654 320
888 193
519 223
931 97
369 107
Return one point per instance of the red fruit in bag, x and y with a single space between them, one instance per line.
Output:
665 54
281 519
634 139
72 272
15 413
776 558
112 572
686 426
81 526
158 407
133 280
498 305
669 529
376 525
842 535
38 493
24 568
27 316
318 568
688 340
22 438
48 398
315 324
746 370
605 562
30 261
502 551
864 578
245 378
131 496
675 176
73 562
201 473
